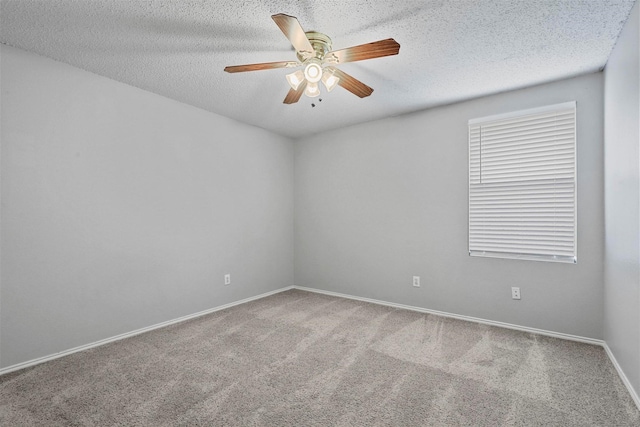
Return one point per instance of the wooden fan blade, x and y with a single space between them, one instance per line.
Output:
294 95
261 66
294 32
361 52
352 84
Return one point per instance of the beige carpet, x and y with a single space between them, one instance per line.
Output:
304 359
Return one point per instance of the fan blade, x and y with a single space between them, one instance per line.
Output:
261 66
353 85
294 32
361 52
294 95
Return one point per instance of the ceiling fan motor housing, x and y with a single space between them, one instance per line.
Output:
321 44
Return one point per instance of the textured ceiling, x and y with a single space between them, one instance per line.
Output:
451 50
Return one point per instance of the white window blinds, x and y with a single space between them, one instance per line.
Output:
522 184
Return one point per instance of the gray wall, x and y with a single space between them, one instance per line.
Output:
622 200
122 209
383 201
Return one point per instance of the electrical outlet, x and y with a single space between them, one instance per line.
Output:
416 281
515 293
227 279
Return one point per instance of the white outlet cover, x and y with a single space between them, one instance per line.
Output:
416 281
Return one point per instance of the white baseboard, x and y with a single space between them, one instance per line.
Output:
623 377
461 317
570 337
132 333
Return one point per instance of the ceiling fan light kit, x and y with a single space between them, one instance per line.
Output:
313 71
314 53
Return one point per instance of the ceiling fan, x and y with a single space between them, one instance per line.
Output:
315 55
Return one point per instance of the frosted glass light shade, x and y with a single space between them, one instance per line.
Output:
295 79
329 79
312 90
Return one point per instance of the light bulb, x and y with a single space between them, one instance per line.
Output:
295 79
329 79
312 90
313 71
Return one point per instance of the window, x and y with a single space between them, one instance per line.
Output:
522 184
